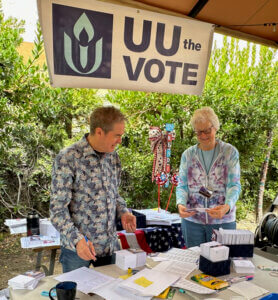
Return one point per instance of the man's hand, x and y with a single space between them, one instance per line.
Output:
183 213
128 222
218 212
86 250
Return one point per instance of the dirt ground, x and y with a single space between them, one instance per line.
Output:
14 260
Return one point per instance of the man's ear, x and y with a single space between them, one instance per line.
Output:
99 132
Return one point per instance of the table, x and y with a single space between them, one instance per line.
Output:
53 249
262 278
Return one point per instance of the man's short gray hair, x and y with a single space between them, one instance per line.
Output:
203 115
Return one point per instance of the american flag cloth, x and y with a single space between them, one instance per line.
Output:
141 240
155 239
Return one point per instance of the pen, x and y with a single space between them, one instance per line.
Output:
86 239
240 278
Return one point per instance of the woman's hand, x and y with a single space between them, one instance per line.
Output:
218 212
184 213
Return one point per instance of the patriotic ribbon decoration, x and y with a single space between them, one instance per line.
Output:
158 145
161 143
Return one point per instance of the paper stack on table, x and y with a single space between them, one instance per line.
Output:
39 241
28 280
16 225
162 217
149 282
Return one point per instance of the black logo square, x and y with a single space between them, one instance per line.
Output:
82 42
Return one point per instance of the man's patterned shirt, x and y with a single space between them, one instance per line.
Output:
85 198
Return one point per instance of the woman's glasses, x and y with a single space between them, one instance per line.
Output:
206 131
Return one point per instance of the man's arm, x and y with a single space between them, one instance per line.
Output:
61 196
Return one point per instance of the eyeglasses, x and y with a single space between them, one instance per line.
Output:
207 131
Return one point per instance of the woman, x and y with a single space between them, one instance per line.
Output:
209 182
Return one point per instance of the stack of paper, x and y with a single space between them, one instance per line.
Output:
16 225
34 274
161 217
149 282
28 280
234 237
182 255
22 282
243 266
39 241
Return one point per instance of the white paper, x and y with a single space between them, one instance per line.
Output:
21 281
159 281
47 229
181 255
193 287
198 209
112 291
87 279
183 269
235 237
16 225
248 289
162 217
38 241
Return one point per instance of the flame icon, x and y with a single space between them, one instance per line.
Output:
84 33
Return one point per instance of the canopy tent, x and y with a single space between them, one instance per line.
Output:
253 20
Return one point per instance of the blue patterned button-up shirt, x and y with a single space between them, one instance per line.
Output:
85 198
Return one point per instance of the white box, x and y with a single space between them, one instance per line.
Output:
214 251
243 266
218 253
130 259
141 257
205 248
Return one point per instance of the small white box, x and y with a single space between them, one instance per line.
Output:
205 248
243 266
141 257
126 259
214 251
218 253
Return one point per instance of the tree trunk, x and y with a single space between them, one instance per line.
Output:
263 176
68 125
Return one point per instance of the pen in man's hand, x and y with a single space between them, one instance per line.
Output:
87 241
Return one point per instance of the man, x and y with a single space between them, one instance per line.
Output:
84 193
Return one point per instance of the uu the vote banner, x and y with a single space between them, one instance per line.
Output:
94 44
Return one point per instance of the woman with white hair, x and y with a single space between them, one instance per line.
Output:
209 182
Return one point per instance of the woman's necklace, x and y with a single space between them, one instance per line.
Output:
207 170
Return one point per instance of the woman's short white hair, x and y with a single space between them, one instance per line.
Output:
203 115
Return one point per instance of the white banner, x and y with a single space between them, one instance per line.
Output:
94 44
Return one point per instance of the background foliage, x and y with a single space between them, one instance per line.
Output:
36 121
